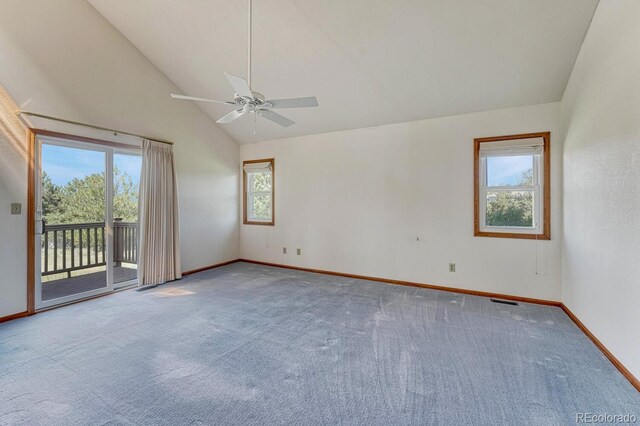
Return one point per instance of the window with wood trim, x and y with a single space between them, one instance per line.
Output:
512 186
258 183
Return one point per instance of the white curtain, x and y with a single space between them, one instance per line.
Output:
159 243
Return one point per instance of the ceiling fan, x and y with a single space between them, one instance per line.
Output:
247 101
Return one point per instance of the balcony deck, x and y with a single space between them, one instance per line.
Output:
82 283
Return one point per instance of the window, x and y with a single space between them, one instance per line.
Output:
258 181
512 194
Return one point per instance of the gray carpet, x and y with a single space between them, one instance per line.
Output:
252 345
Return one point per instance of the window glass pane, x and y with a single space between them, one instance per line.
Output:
73 185
510 170
126 183
261 207
509 208
260 182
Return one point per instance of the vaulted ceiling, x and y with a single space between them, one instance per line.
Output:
369 62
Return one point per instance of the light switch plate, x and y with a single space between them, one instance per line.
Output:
16 208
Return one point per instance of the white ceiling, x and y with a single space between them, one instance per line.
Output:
369 62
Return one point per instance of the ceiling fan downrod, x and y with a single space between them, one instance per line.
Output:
250 40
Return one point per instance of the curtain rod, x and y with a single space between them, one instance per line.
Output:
77 123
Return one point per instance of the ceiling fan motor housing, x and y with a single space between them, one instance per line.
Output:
257 103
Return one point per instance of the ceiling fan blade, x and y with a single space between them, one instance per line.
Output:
240 85
276 118
308 102
232 116
191 98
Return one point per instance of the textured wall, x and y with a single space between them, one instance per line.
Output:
601 110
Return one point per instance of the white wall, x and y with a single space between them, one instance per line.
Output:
63 59
601 110
356 201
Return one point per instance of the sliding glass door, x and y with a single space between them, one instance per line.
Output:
86 219
126 181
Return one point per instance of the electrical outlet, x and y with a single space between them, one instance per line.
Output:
284 250
16 208
299 252
452 267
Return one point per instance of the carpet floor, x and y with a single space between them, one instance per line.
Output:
254 345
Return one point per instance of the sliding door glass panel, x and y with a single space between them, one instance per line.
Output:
126 182
73 254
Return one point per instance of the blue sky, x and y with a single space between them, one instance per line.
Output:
503 171
63 164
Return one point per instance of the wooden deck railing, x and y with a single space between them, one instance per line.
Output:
125 242
72 247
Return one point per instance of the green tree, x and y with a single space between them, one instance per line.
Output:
83 200
261 182
512 208
125 196
51 196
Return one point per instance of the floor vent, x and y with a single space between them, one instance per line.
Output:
505 302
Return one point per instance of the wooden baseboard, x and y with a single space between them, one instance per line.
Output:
626 373
206 268
14 316
414 284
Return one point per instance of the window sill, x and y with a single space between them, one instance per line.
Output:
523 236
249 222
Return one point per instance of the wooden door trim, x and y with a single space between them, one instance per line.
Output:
31 224
32 135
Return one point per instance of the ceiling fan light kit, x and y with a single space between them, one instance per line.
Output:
247 101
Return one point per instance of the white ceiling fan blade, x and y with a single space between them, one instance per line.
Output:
308 102
240 85
276 118
232 116
191 98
